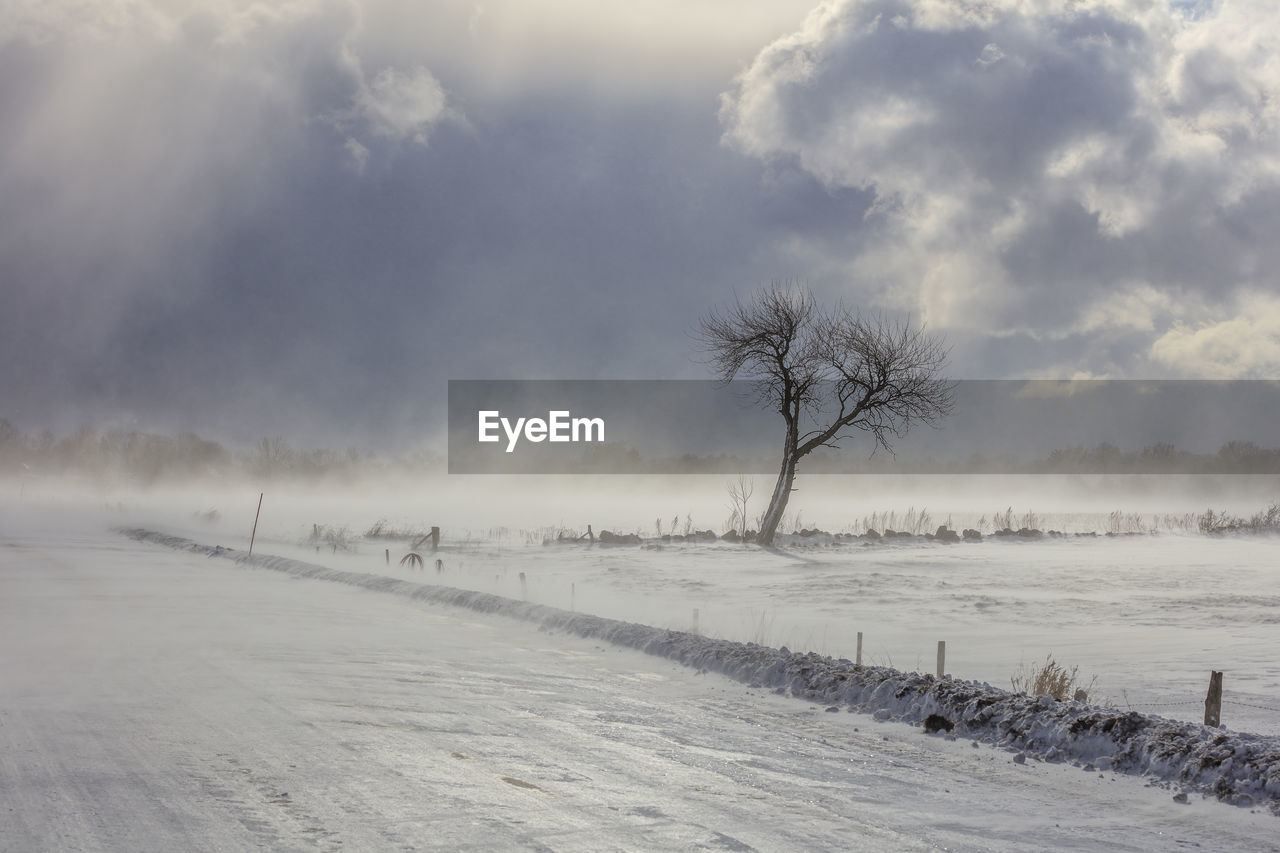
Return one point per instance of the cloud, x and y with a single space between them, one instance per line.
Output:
668 49
1138 306
314 212
1029 162
304 217
141 144
1047 390
359 154
1245 345
403 105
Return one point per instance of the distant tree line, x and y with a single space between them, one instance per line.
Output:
147 458
1234 457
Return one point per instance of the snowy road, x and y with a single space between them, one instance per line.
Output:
153 700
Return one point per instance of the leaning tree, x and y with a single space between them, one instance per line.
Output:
828 373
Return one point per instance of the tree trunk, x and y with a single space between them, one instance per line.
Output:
781 492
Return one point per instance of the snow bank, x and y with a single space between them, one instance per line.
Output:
1242 769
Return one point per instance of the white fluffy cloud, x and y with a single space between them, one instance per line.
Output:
1030 160
1243 345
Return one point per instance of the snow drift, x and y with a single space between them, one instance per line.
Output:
1237 768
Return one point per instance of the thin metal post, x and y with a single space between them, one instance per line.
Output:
254 534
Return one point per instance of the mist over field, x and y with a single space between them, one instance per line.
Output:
266 270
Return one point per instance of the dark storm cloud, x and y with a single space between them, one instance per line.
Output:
279 219
304 218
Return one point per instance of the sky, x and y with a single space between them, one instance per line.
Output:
303 218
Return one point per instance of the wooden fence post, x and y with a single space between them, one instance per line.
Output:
524 587
388 553
1213 702
942 657
435 539
858 660
254 534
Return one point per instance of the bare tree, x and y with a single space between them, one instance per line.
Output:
828 372
272 456
739 496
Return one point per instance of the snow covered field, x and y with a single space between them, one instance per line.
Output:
1149 616
160 700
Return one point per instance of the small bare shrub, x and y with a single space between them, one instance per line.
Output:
1267 521
739 496
917 523
1003 520
383 529
1051 679
336 538
1217 522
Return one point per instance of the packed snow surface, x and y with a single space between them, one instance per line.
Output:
160 699
1238 768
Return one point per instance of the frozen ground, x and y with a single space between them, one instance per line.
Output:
157 700
1150 617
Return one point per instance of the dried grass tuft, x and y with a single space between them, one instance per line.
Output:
1052 679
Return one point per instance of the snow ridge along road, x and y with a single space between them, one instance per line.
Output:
1237 768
